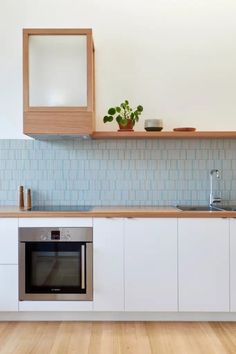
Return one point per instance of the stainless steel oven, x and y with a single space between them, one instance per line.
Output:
56 263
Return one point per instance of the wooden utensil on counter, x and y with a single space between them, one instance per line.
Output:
21 197
28 200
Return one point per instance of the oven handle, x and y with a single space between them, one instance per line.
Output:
82 266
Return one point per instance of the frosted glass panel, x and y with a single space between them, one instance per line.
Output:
57 70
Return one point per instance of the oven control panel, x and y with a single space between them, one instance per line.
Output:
56 235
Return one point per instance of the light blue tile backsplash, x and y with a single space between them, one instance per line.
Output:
110 172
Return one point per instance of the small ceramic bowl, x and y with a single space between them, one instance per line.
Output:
151 125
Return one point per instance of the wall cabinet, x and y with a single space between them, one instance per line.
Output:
58 82
151 265
203 264
108 264
233 265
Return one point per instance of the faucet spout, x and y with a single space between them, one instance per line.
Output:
217 172
213 199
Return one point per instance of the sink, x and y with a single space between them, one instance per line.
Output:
199 208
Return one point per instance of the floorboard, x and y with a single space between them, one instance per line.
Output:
117 337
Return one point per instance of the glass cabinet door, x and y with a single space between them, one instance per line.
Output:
58 71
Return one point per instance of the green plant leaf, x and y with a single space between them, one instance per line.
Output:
118 109
126 102
118 119
111 111
140 108
107 119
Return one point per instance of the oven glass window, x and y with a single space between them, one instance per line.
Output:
54 267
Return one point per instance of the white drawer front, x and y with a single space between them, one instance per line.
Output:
55 306
55 222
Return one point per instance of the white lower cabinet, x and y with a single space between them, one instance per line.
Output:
9 264
8 241
9 288
140 264
203 254
233 265
108 246
151 264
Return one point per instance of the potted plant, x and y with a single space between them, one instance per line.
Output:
125 116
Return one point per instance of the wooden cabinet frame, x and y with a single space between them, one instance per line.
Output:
69 121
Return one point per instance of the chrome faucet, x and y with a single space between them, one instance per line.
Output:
213 199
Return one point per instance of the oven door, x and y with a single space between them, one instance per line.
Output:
56 271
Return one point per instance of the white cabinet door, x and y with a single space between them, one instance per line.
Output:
108 235
9 241
151 264
203 264
233 265
9 288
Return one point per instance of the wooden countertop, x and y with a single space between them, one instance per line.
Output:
119 211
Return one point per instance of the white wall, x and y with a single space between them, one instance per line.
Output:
175 57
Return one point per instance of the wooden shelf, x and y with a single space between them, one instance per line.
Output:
164 135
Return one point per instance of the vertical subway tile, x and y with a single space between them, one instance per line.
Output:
127 172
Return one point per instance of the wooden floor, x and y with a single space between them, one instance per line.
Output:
117 337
